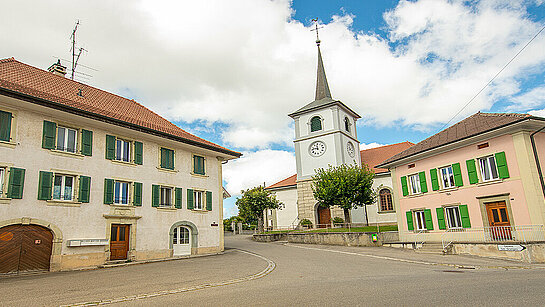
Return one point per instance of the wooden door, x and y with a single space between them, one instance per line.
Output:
25 248
324 217
498 220
119 242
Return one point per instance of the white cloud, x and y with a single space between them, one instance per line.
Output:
364 146
540 113
215 61
531 99
255 168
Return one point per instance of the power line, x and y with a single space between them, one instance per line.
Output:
493 78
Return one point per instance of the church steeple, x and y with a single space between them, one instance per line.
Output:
322 88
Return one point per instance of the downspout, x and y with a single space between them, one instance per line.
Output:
536 157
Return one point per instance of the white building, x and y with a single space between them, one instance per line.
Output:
87 177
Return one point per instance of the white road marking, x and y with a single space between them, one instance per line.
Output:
270 267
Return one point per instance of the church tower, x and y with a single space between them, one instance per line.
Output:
325 134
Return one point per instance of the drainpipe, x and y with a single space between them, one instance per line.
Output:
537 159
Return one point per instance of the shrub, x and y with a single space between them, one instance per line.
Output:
305 222
337 220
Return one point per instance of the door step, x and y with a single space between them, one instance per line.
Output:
431 248
113 263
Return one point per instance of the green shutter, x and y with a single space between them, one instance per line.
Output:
441 218
409 220
108 191
167 158
16 182
458 181
429 221
208 200
190 199
472 171
434 180
404 186
178 198
45 185
198 165
49 134
137 198
155 195
423 184
501 162
315 124
110 147
138 153
84 189
171 159
464 214
163 158
5 126
86 142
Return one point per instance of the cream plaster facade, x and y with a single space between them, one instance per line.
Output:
149 226
374 214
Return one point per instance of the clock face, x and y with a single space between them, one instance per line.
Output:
350 149
316 148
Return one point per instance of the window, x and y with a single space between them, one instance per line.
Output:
414 184
2 175
166 197
198 165
347 124
198 197
489 171
315 124
453 217
167 158
123 150
5 126
121 193
67 139
63 187
420 220
385 197
447 177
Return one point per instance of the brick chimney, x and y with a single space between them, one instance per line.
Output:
57 69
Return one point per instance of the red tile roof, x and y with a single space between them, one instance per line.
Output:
376 155
474 125
368 156
19 78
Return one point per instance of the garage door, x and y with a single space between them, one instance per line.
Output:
25 248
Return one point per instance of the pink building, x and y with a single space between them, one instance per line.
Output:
477 181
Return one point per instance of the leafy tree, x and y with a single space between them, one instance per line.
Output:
253 202
346 186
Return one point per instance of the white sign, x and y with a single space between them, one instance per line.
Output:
87 242
514 248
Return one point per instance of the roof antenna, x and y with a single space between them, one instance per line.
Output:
75 54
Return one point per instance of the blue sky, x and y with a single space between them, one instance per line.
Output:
231 71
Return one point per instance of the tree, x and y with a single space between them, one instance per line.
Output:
346 186
253 202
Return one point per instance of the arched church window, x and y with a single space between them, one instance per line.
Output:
347 124
386 203
315 124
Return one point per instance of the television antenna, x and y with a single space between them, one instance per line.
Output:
75 54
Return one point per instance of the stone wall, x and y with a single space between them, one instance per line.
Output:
331 238
306 204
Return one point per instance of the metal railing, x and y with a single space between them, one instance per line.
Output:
420 237
520 233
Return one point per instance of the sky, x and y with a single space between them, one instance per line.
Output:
231 71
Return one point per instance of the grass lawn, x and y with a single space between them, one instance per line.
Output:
352 229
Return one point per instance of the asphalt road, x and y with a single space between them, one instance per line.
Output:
289 274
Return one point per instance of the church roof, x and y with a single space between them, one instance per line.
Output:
33 84
288 182
474 125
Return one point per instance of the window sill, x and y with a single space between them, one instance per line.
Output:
122 206
61 203
5 200
9 144
415 195
199 210
166 170
447 190
166 208
385 212
483 183
199 175
66 154
123 163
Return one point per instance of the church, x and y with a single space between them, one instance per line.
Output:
325 134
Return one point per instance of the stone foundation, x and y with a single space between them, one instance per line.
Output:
306 204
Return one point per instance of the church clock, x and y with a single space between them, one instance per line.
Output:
317 148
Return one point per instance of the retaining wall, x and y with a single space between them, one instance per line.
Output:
533 252
330 238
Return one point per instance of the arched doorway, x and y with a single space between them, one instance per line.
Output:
324 216
25 248
181 241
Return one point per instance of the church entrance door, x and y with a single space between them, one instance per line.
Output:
324 217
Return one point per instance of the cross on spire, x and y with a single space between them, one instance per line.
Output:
315 20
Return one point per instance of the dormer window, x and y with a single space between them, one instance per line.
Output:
347 124
315 124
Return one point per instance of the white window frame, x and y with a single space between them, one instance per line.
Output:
198 200
122 150
162 193
414 184
447 177
454 212
3 172
487 169
120 199
62 196
419 220
65 143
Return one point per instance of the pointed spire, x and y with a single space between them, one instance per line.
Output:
322 88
